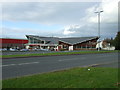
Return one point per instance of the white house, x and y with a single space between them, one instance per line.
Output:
104 46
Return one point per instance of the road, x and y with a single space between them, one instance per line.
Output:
16 67
24 52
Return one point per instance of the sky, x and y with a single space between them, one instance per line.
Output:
58 19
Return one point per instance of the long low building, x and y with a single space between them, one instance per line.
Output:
55 43
12 43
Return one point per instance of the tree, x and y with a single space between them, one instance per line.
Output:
117 41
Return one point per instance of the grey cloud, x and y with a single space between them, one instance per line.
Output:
50 13
21 32
107 30
61 13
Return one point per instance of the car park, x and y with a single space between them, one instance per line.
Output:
12 49
24 50
45 49
3 49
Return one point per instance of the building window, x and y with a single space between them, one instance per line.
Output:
65 46
35 41
42 42
83 47
47 42
78 46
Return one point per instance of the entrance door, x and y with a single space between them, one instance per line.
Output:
70 48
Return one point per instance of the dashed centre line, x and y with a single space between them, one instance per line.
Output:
18 64
72 59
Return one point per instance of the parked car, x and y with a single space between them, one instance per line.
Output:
24 50
44 49
3 49
11 49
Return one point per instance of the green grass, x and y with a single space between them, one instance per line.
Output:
55 53
71 78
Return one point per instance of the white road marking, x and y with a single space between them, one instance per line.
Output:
8 65
71 59
28 63
18 64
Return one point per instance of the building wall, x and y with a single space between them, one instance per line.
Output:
64 46
89 45
10 43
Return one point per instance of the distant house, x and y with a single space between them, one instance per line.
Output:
55 43
104 45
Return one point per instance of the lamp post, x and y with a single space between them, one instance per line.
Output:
98 12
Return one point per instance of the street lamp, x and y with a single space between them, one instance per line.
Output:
98 12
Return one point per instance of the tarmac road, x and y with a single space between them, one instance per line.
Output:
16 67
24 52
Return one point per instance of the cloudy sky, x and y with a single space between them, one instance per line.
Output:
60 19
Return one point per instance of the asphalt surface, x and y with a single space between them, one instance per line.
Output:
16 67
24 52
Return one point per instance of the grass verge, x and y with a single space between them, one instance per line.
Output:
96 77
54 53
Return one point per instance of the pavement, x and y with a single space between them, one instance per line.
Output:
35 52
16 67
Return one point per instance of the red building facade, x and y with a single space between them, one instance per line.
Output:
12 43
